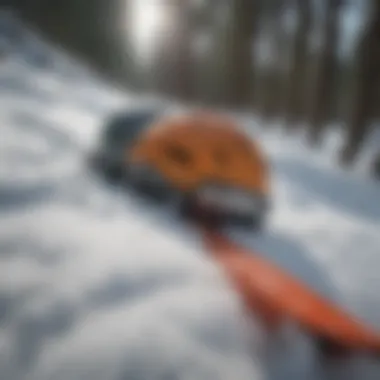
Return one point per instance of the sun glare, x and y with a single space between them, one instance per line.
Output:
149 18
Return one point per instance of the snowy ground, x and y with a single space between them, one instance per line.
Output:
94 285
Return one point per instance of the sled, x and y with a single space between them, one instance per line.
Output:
275 296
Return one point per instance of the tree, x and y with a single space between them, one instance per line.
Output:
204 17
87 28
324 90
272 77
367 82
173 68
241 28
375 169
295 95
183 51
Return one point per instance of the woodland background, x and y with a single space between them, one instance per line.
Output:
288 60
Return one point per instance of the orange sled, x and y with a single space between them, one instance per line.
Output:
275 296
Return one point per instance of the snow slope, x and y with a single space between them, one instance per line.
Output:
96 285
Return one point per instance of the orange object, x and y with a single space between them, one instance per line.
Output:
200 148
274 296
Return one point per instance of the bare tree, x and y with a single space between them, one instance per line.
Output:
88 28
239 53
324 89
160 70
368 79
205 21
272 81
295 97
174 71
375 169
182 53
215 63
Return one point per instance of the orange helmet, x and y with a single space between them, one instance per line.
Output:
193 149
200 149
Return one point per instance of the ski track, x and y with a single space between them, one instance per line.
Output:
96 285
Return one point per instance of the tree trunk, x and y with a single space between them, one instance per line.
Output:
273 82
323 97
295 94
87 28
173 66
159 70
375 169
183 52
368 78
239 62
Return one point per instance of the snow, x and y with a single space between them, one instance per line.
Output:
97 285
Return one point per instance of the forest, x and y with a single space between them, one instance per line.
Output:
279 59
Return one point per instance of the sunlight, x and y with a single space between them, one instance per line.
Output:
149 18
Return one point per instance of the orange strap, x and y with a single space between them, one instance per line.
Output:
272 294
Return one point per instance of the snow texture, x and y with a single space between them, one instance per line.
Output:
97 285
